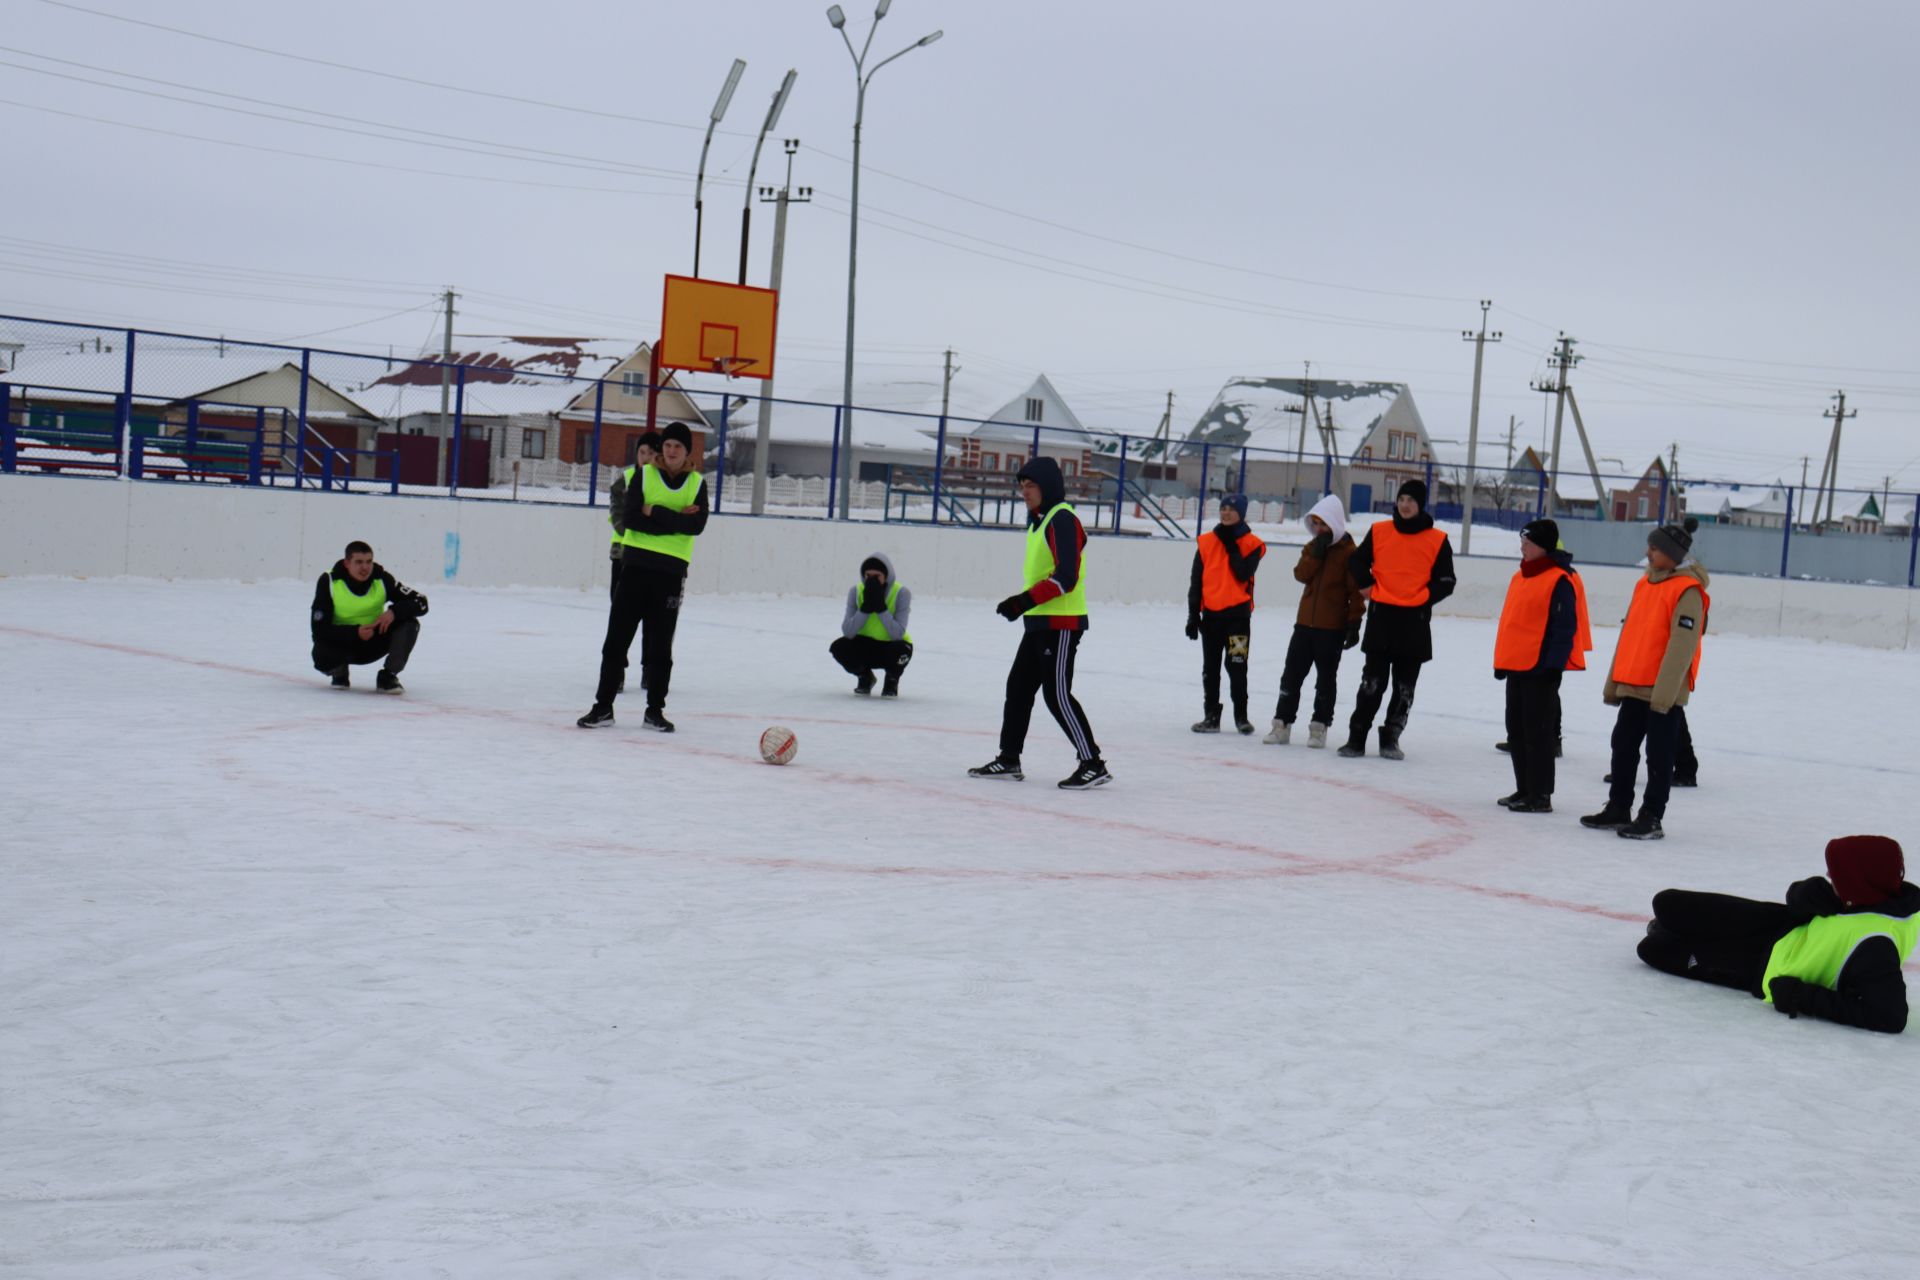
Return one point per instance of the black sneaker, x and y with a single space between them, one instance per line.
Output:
601 714
1531 804
1209 723
1507 802
341 680
1690 781
1242 724
1503 746
656 721
864 685
387 682
891 689
1608 819
1642 828
999 767
1091 773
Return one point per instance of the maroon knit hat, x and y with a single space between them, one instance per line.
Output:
1865 870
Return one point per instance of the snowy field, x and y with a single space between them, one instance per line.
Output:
300 983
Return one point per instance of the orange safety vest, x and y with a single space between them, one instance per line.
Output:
1219 589
1403 564
1649 627
1583 634
1523 619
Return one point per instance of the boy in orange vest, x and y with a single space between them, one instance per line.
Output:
1654 669
1220 609
1403 569
1542 630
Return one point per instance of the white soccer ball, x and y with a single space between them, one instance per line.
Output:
778 744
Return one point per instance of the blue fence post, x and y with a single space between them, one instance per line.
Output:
1035 451
593 466
257 447
1433 495
1540 499
833 463
720 464
193 433
1913 538
1240 484
886 501
300 422
135 458
1786 535
1326 479
1206 463
123 409
326 470
393 471
1120 485
1663 496
9 445
459 429
939 464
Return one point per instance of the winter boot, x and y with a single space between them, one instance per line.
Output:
1282 734
1241 723
1691 780
1209 723
864 685
1091 773
1355 745
656 720
891 688
1390 744
599 715
1642 828
387 682
1610 818
342 680
1316 734
1007 767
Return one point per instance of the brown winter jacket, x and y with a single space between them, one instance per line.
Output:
1330 601
1689 620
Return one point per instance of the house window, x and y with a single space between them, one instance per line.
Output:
1366 454
533 443
989 461
1069 468
1034 407
633 384
583 447
1015 462
1642 507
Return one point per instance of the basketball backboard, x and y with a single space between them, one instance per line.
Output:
707 326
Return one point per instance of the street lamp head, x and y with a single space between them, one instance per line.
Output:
880 9
927 40
726 90
837 18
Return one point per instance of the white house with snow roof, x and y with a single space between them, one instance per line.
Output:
1007 437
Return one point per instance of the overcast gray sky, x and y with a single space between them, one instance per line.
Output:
1717 199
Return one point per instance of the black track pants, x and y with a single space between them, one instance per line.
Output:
396 646
648 601
1715 937
1044 665
1227 640
1639 723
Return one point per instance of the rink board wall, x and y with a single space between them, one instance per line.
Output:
105 528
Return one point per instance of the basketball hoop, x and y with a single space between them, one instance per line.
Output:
732 366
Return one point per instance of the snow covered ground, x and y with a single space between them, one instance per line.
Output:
309 984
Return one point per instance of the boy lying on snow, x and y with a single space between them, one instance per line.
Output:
1834 950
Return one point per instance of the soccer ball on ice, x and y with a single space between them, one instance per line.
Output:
778 744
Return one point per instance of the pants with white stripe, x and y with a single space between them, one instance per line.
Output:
1044 665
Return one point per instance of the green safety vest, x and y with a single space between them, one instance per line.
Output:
1040 566
872 628
1817 951
350 610
613 517
654 492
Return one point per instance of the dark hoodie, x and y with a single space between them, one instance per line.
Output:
1066 538
403 600
1870 992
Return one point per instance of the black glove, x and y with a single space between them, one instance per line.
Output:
1789 996
1353 636
1014 605
1320 545
1499 674
873 597
1193 626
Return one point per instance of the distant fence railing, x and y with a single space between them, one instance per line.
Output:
146 405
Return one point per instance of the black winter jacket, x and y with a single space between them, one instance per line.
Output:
1870 992
692 521
403 600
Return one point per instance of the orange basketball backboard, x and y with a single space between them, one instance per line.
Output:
708 326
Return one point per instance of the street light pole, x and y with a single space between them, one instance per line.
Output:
700 178
862 78
746 205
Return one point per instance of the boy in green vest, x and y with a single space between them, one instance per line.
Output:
1054 607
873 634
1834 950
361 614
665 510
646 450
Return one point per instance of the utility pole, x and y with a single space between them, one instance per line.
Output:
946 385
1479 341
1830 470
1513 425
1560 361
763 430
446 384
1306 413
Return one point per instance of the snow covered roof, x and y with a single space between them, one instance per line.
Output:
505 375
1016 419
1263 413
177 369
1729 499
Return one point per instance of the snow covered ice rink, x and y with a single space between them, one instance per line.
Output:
309 984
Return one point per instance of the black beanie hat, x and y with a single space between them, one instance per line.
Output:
1415 489
1542 533
872 562
1238 501
1674 541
